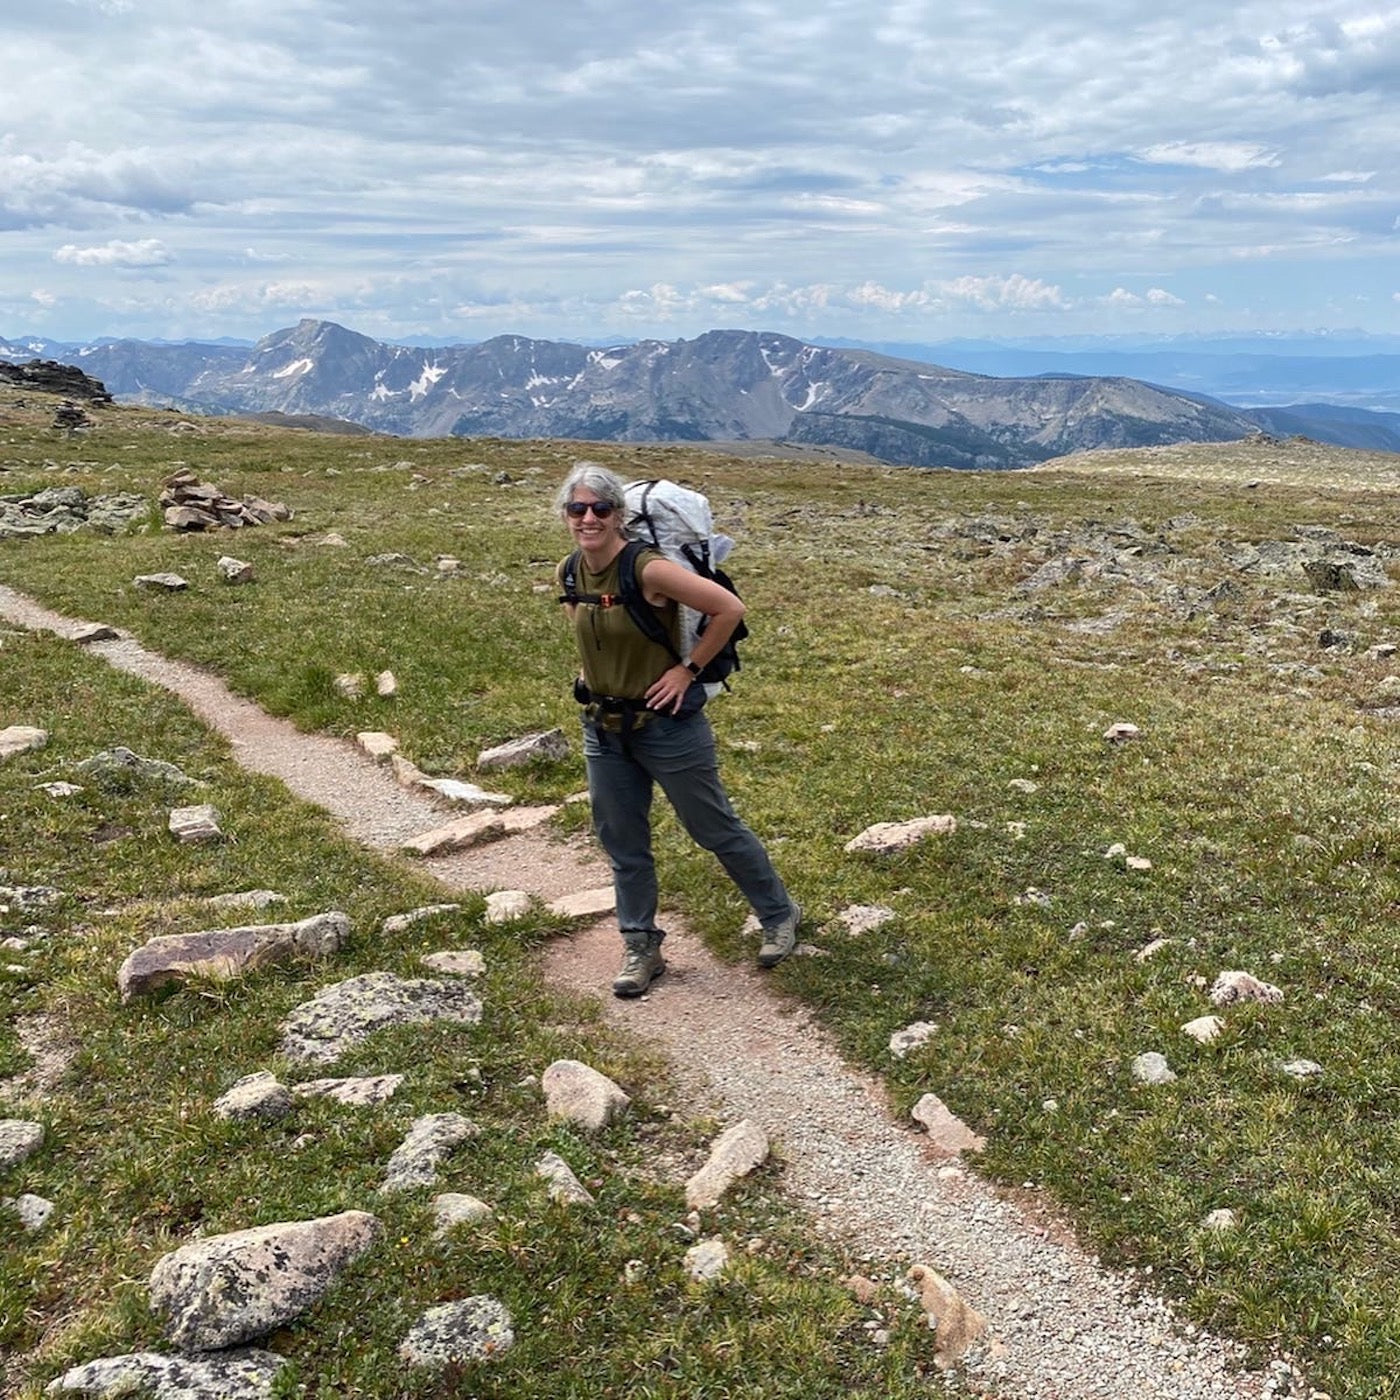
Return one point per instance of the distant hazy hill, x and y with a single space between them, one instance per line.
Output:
721 386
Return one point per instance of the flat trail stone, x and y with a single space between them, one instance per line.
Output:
1065 1327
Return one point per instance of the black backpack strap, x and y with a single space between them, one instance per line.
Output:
634 600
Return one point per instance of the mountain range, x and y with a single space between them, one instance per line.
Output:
722 386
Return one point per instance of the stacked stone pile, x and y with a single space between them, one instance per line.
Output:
190 505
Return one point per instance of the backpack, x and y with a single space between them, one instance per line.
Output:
676 522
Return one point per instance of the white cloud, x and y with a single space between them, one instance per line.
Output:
644 167
1230 156
43 297
146 252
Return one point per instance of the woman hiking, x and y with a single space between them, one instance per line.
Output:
643 726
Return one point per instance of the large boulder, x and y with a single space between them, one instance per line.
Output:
226 953
245 1374
337 1017
233 1288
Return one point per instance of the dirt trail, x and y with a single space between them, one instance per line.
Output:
1063 1328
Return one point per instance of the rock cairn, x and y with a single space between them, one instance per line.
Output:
191 505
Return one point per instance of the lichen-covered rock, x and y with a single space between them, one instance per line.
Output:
474 1329
254 1096
226 953
229 1289
342 1015
245 1374
431 1139
18 1140
1151 1067
356 1091
911 1037
579 1093
1235 986
453 1208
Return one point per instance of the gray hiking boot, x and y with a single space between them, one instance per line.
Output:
781 939
642 963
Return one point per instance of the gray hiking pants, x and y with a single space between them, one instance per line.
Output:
679 755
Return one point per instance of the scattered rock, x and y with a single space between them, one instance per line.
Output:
21 738
19 1140
581 1095
254 1096
1150 950
467 962
1024 785
1152 1068
60 790
397 923
707 1260
547 746
1240 986
945 1129
429 1142
454 790
350 684
737 1151
342 1015
1221 1220
454 1334
884 838
563 1186
1204 1029
480 826
161 583
218 1292
120 766
33 1211
454 1208
1121 733
865 918
377 744
505 906
242 1374
956 1325
88 632
386 685
1301 1069
584 904
195 825
911 1037
226 953
234 571
356 1091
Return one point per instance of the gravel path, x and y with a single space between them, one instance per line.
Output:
1063 1328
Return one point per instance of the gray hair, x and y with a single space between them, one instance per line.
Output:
594 477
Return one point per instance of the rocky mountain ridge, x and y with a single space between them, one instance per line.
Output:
724 385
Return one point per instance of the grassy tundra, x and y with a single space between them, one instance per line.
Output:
924 642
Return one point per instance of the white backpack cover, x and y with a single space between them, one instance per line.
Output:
679 523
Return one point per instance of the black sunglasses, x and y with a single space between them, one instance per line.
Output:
601 509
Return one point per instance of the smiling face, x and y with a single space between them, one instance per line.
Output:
592 532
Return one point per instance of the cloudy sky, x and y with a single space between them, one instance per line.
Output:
586 169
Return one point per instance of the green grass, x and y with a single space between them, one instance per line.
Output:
1262 791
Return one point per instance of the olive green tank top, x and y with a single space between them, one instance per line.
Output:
616 658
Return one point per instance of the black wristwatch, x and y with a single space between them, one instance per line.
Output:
692 668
